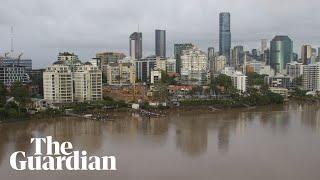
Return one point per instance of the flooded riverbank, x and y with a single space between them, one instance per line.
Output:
271 142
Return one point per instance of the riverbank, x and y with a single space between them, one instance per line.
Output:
83 109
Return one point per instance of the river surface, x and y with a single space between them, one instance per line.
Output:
266 143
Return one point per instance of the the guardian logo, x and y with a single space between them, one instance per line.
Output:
59 157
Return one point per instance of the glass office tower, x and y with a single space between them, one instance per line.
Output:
160 40
224 35
281 52
135 43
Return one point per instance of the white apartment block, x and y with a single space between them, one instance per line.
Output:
194 67
63 84
66 56
58 83
87 83
311 77
219 64
294 69
238 79
122 73
155 76
171 66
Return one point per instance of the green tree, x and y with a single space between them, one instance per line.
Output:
222 81
255 79
161 93
165 78
3 94
21 95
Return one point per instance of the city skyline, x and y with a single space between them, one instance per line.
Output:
65 32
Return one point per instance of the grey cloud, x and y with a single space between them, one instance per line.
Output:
44 27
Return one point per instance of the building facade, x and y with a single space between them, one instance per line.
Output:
281 53
145 66
178 48
87 83
237 56
306 54
294 69
219 64
311 77
194 67
160 43
135 45
110 57
58 83
122 73
10 74
8 61
63 83
224 35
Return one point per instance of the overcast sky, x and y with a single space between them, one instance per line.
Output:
42 28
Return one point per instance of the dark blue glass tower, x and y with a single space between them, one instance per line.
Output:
224 35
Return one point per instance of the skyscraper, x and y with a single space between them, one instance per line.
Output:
211 59
237 56
306 53
224 35
135 43
160 39
280 52
210 53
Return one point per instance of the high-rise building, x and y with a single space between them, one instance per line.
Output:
210 53
122 73
10 74
294 69
135 44
224 35
255 54
237 56
211 57
194 67
266 56
145 66
239 80
36 77
64 83
14 68
311 77
171 66
26 63
110 57
178 48
160 46
306 54
219 64
69 59
87 83
58 83
281 52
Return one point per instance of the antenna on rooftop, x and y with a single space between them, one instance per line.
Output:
12 39
138 28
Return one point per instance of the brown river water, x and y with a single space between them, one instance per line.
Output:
265 143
